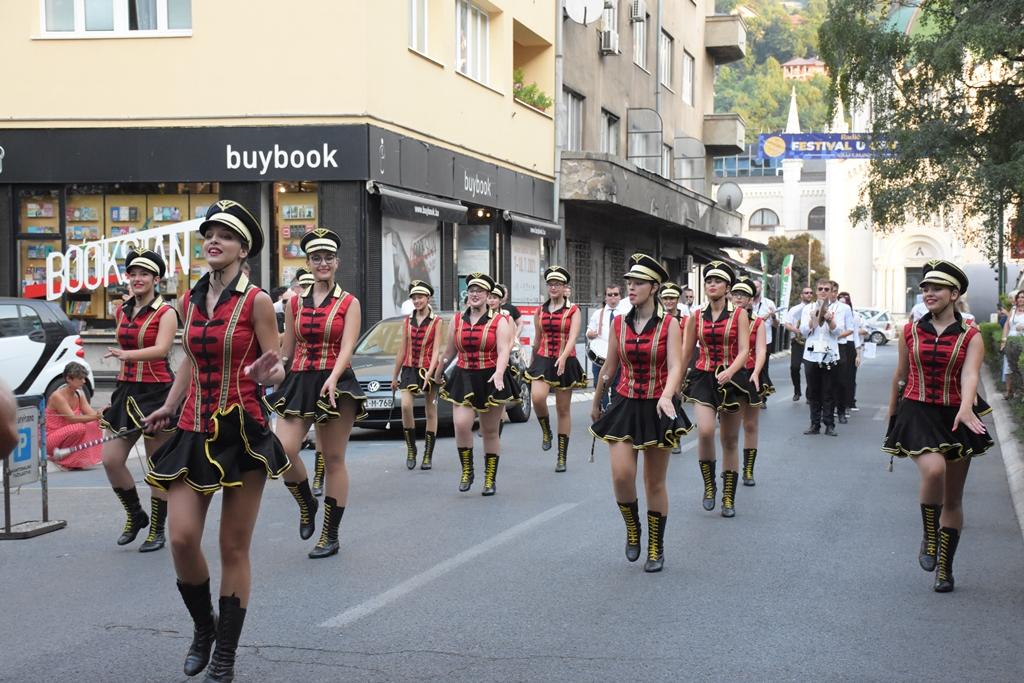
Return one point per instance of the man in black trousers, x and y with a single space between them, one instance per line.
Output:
796 345
821 327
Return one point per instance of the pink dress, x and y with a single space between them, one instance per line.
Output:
61 433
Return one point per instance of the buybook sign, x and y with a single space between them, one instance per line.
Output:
277 158
92 265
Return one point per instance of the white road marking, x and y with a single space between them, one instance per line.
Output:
382 600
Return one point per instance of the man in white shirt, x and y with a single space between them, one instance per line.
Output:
600 324
821 327
792 323
847 354
918 311
686 302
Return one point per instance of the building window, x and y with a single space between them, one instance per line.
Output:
472 26
418 25
116 18
764 219
666 161
640 42
666 46
689 68
572 122
609 133
816 218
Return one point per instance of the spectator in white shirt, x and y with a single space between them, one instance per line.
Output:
600 324
686 302
855 330
792 323
821 327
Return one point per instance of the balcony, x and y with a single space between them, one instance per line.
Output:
725 37
724 134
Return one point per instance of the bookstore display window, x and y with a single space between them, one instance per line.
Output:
55 220
295 213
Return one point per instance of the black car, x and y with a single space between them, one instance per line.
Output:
374 364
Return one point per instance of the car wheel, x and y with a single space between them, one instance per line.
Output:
878 337
521 413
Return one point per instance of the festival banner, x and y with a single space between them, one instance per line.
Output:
815 146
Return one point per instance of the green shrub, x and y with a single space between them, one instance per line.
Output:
992 333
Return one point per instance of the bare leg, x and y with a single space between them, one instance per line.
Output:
706 418
115 459
933 475
152 446
953 494
408 420
237 519
333 435
539 390
489 421
655 472
563 404
728 434
186 514
431 408
463 417
623 462
292 432
751 419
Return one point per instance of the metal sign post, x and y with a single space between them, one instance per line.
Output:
27 465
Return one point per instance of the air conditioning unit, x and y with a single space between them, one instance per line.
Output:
609 42
637 10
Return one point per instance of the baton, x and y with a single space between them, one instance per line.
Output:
593 442
61 453
392 411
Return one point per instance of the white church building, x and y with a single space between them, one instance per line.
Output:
791 196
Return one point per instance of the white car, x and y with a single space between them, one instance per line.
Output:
36 341
880 325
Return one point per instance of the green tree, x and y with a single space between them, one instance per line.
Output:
948 99
779 248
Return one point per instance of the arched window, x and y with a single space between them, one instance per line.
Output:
764 219
816 218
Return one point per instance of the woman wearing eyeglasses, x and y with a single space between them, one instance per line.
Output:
554 364
721 334
415 363
321 326
480 385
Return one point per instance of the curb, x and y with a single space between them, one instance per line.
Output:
1009 448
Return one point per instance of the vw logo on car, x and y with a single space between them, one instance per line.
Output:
373 386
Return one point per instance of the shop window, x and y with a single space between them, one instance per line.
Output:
295 214
816 218
472 33
764 219
117 18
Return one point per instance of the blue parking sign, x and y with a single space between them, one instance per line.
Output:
23 451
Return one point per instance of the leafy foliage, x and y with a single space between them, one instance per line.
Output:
779 247
947 98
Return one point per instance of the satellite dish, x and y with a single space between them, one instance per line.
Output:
584 11
730 196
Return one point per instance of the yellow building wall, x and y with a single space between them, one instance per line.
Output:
260 62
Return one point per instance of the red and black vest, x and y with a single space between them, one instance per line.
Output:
477 344
554 330
718 340
755 325
139 330
319 328
220 346
643 357
420 340
936 360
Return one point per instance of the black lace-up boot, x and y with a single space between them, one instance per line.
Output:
545 432
631 516
428 451
137 519
466 459
655 541
749 456
157 518
729 478
707 472
229 628
410 448
563 451
308 507
197 600
319 469
490 474
930 540
949 539
328 544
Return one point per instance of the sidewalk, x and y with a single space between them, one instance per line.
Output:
1013 455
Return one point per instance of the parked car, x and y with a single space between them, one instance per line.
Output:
374 361
880 325
36 341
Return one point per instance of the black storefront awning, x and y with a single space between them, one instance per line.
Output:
532 227
706 254
413 206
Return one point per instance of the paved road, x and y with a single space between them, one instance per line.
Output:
815 579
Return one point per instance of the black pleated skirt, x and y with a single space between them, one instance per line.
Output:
700 386
413 380
299 396
927 428
209 461
133 401
542 368
473 389
637 421
767 388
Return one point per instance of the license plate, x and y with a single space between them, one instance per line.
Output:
379 403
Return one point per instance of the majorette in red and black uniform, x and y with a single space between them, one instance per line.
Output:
421 340
500 291
222 430
717 348
477 346
142 386
319 327
554 331
745 285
